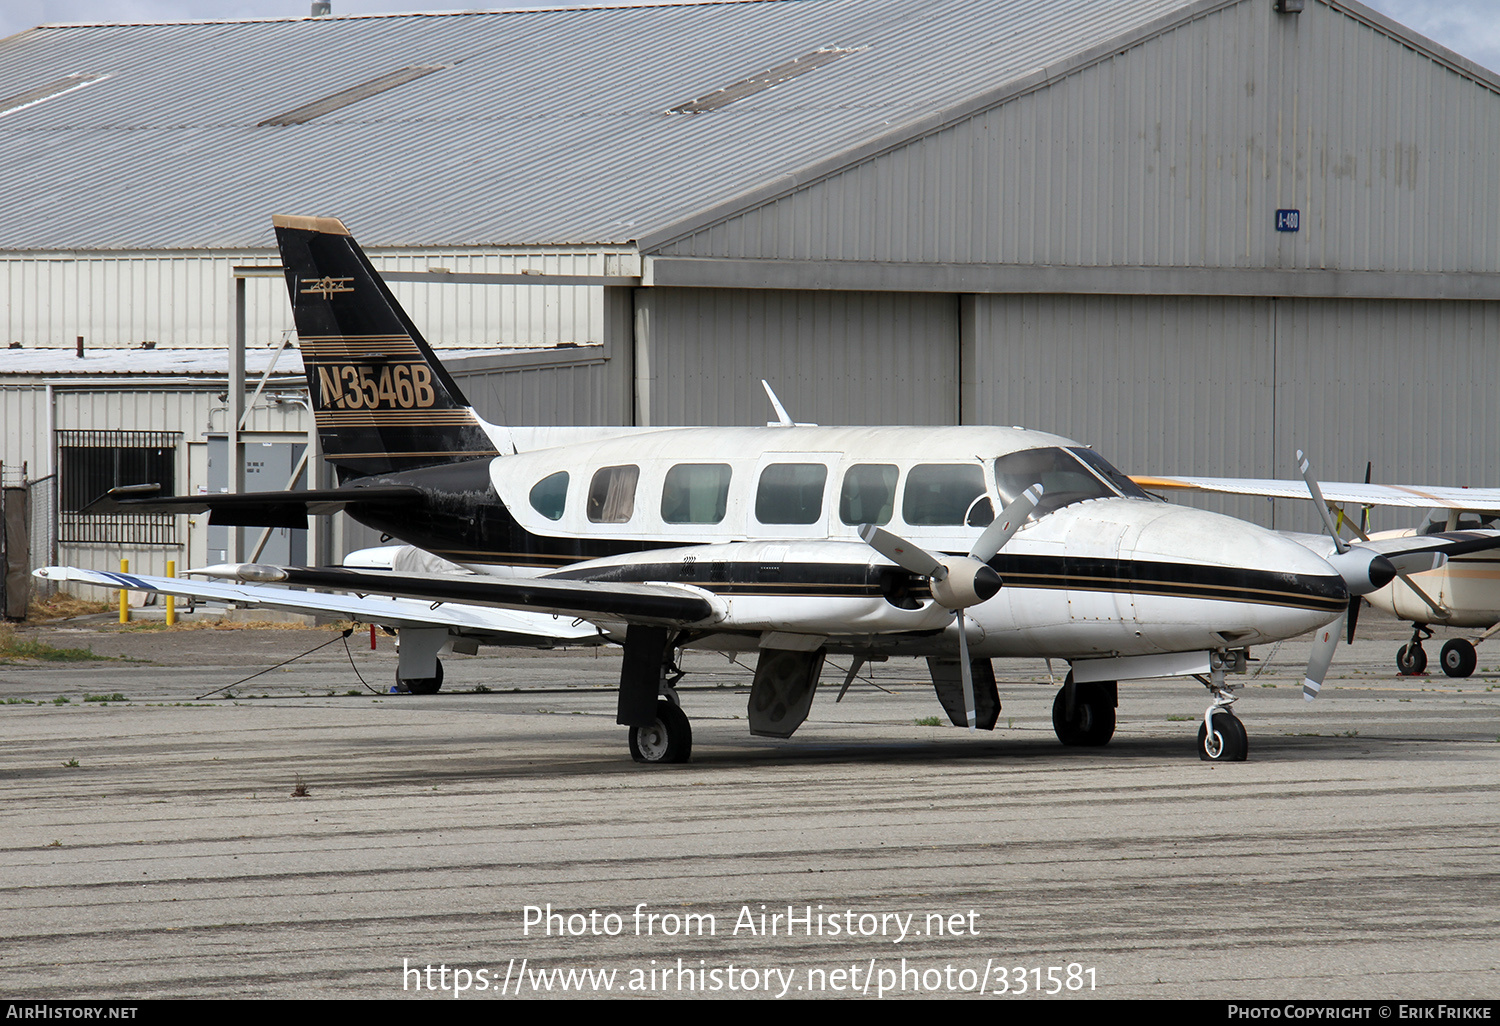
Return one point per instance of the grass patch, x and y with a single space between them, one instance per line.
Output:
14 646
116 697
928 721
62 606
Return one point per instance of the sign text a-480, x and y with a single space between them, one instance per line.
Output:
395 386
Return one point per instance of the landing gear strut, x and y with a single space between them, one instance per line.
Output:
659 729
1221 736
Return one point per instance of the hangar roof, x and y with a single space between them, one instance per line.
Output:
565 125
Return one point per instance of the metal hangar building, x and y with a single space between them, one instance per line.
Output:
1196 234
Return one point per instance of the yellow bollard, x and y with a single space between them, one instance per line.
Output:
171 599
124 595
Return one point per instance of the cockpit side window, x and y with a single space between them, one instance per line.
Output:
695 493
1063 475
869 494
549 496
612 494
939 494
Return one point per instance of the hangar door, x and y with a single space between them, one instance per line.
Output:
832 357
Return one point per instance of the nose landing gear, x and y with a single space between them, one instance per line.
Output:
1221 737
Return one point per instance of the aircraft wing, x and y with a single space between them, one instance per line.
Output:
1413 496
500 626
655 604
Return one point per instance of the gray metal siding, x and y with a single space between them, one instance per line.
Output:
1233 387
186 299
832 357
1177 153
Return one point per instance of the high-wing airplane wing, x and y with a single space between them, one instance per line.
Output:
1354 493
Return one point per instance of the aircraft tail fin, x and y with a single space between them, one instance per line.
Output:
382 401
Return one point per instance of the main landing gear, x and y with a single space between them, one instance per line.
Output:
1457 658
422 685
1083 715
669 739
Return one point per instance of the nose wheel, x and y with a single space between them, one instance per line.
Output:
1221 735
1410 659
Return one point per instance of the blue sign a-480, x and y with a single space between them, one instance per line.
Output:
1288 220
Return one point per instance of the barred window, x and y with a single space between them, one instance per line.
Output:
90 463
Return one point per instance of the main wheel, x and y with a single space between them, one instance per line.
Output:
1458 658
423 685
1093 721
1411 660
1229 742
669 739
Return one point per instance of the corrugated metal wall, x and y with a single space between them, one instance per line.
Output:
832 357
186 299
1235 386
1178 152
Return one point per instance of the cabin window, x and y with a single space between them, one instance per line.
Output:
612 494
869 494
791 493
695 493
550 495
940 494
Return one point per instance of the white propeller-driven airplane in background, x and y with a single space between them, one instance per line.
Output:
957 544
1455 583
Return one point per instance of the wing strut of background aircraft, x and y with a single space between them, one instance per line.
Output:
954 544
1448 572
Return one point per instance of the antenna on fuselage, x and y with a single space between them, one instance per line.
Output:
783 419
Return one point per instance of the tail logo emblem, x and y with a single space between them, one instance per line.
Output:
327 286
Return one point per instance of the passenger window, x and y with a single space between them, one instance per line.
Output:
939 494
550 494
612 494
869 494
695 493
791 493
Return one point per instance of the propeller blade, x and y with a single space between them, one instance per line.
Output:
1317 493
1324 644
1354 603
898 550
966 671
1006 524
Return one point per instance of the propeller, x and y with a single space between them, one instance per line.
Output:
1363 571
959 582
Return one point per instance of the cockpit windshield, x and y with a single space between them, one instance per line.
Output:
1066 475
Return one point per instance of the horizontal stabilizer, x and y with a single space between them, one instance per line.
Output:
253 509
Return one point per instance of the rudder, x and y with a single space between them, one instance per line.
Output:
382 401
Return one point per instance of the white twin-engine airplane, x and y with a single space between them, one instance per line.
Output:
958 544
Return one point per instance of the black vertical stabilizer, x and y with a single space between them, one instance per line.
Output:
382 401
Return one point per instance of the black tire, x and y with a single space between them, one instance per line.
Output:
1411 660
423 685
1230 743
1093 720
669 739
1458 658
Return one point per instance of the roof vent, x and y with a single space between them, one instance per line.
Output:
19 101
767 79
321 8
352 95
